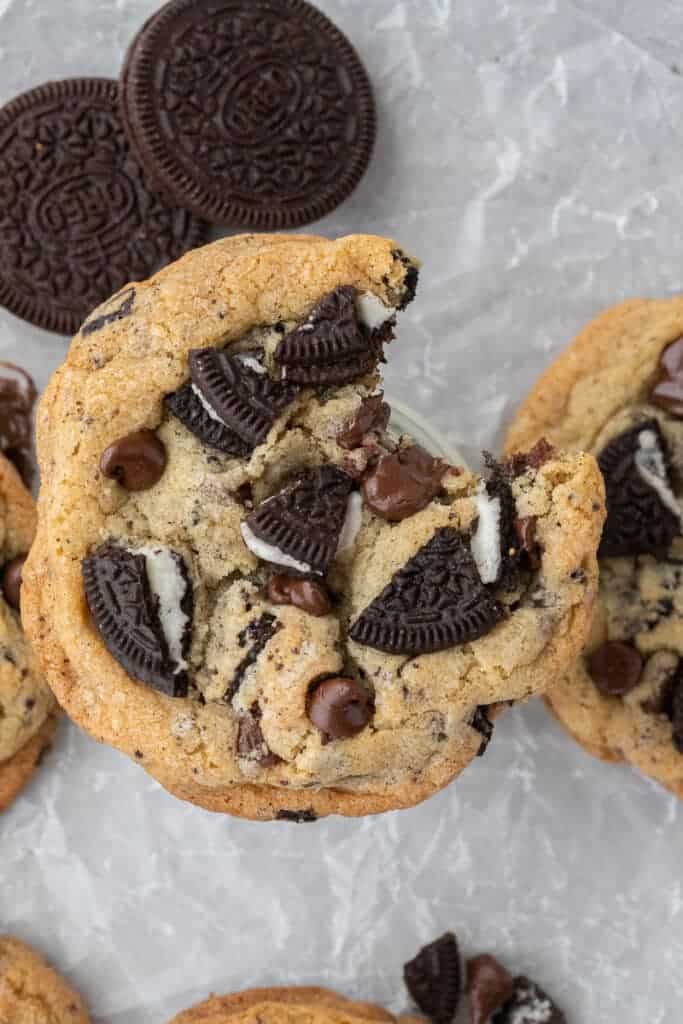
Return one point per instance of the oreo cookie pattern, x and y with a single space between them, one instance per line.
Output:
77 219
254 113
249 546
622 700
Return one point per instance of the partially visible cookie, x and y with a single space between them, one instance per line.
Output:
283 1006
618 391
28 711
31 992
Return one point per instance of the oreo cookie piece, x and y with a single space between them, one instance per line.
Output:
436 601
186 405
299 817
434 979
301 526
141 602
335 345
482 724
118 308
249 112
643 514
77 218
495 544
238 392
528 1004
256 635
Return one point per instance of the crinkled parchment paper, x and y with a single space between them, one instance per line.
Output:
531 153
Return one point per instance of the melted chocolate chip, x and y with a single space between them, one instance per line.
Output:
339 708
489 986
307 595
615 668
668 391
371 417
137 461
525 529
11 581
433 979
520 462
250 741
17 398
403 483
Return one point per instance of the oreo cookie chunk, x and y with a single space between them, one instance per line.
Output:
495 545
249 112
255 638
78 218
141 602
643 514
305 525
436 601
528 1004
340 341
433 978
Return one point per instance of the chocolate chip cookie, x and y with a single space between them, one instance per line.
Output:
27 708
618 392
284 1006
31 992
245 581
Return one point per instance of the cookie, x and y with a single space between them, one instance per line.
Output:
28 711
77 218
255 627
31 992
616 391
254 113
284 1006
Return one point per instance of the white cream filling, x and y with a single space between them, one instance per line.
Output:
352 523
269 553
166 581
485 544
372 310
209 408
252 362
649 460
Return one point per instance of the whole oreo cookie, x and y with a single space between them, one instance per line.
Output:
249 112
77 220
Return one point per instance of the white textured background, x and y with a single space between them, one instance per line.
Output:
531 153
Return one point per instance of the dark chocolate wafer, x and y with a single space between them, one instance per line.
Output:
248 112
77 219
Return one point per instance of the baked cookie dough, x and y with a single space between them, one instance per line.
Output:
27 708
31 992
244 581
285 1006
618 391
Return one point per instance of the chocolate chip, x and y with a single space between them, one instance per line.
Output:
251 743
525 529
489 985
245 400
668 391
403 483
436 601
187 407
307 595
528 1004
332 347
339 708
482 724
304 520
137 461
126 613
638 521
433 978
615 668
300 817
11 581
520 462
371 417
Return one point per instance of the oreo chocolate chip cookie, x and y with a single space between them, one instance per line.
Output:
77 218
248 112
141 604
436 601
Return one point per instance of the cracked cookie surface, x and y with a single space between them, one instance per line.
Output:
27 708
216 603
31 992
618 391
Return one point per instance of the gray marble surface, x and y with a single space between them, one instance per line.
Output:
530 152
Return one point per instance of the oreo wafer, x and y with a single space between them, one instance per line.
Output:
248 112
436 601
187 407
77 219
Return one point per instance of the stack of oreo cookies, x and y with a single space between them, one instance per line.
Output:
242 113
